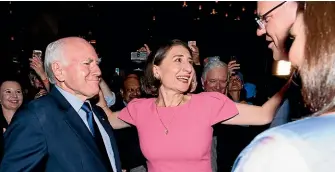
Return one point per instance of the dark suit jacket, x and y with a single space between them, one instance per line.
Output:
49 135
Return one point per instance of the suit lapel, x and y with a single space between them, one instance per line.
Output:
105 123
77 125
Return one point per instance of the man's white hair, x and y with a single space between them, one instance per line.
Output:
211 65
53 52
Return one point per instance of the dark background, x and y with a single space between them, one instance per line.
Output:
122 27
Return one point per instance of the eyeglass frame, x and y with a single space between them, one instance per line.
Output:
260 19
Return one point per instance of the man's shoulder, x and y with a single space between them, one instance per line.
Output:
44 102
37 108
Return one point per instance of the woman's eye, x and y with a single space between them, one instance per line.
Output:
291 37
178 60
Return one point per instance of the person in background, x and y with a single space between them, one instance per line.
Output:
236 88
215 75
11 99
131 155
231 139
250 90
38 78
307 144
215 79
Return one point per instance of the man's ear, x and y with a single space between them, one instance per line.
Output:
58 71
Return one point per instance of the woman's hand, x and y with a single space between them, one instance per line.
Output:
102 102
195 54
232 66
146 49
37 64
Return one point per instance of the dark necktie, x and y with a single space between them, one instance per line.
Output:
96 135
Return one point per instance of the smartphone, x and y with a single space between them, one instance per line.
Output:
117 71
190 43
37 53
234 58
138 56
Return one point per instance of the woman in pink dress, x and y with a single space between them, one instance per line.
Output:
175 129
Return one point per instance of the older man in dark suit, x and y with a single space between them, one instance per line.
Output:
63 131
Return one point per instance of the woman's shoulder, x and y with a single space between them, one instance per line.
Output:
210 96
141 101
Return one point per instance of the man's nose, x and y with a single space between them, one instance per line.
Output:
96 70
217 85
260 31
137 93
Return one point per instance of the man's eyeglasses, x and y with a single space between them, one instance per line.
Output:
261 19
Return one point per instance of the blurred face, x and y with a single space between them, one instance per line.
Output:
80 73
277 24
235 83
297 32
11 95
35 82
176 70
216 80
131 90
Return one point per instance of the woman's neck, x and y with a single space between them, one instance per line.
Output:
235 95
8 114
169 98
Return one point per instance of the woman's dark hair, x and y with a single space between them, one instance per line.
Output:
12 78
150 83
317 70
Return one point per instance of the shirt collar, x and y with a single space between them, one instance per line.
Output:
75 102
125 103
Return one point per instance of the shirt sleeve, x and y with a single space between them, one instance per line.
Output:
222 108
270 155
128 114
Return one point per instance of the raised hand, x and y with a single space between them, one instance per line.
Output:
145 48
37 64
232 66
195 54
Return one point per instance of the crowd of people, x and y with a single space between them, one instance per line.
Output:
178 114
